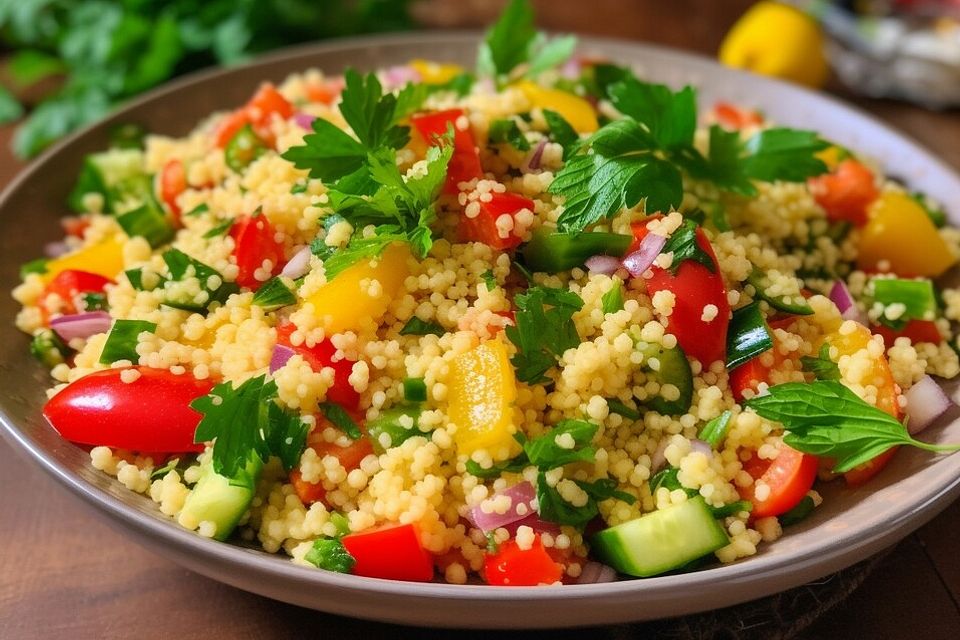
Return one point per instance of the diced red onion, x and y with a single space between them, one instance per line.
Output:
536 156
659 458
281 353
926 402
641 259
840 296
304 120
298 265
603 264
521 493
701 446
534 522
396 77
55 249
595 573
81 325
571 69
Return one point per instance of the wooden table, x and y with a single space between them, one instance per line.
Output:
64 572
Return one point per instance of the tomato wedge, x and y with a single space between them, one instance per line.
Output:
694 287
916 330
254 243
257 112
392 552
319 356
789 477
151 414
465 164
61 294
512 566
483 228
350 458
173 182
846 192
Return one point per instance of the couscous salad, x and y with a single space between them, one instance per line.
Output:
540 323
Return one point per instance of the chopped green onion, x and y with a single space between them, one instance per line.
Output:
48 348
392 424
243 148
340 522
553 251
122 340
748 336
275 293
414 390
715 431
219 230
149 222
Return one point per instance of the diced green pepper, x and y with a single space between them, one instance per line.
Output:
553 251
48 348
243 148
414 390
917 297
389 423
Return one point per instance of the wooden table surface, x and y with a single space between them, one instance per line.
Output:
64 571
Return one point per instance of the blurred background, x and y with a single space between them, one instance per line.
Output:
64 63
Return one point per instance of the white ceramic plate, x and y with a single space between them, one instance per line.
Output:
850 526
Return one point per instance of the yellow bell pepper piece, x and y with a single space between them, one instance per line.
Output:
346 300
876 371
900 232
104 258
775 39
574 109
481 391
434 72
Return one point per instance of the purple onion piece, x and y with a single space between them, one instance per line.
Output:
926 402
595 573
602 264
304 120
571 69
281 353
534 522
659 458
701 446
55 249
521 493
298 265
536 156
396 77
642 259
81 325
840 296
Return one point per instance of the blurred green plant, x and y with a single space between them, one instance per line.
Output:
108 50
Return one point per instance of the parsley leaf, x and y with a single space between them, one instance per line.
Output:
360 249
821 366
122 340
489 279
330 554
544 330
546 453
417 327
826 419
329 153
513 40
506 131
684 246
612 300
562 132
669 117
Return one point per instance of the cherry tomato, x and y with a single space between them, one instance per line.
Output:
789 476
861 473
694 286
465 163
254 242
350 458
734 117
319 356
846 192
484 229
257 112
392 552
173 182
512 566
61 294
150 414
916 330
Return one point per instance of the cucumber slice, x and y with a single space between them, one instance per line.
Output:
222 500
118 175
672 368
661 541
796 305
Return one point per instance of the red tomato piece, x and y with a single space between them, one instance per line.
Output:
75 225
350 458
173 182
734 117
916 330
257 112
229 126
325 92
319 356
465 163
483 228
789 477
861 473
694 286
254 242
512 566
392 552
845 193
150 414
61 294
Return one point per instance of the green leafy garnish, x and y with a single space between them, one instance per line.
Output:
731 509
49 348
513 41
94 301
341 419
562 132
219 230
821 366
826 419
417 327
122 340
544 330
683 244
612 300
554 508
507 131
275 293
547 452
149 222
489 279
182 266
715 431
747 336
330 554
198 210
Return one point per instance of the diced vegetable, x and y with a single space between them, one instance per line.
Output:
512 566
173 182
481 392
749 336
793 303
63 294
81 325
901 235
661 541
578 112
349 457
779 484
414 390
485 227
915 330
105 174
554 251
392 552
48 348
320 355
916 297
671 370
243 148
104 258
387 430
122 340
434 72
257 251
221 500
464 166
148 222
846 192
803 509
276 293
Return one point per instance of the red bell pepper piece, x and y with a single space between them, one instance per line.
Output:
512 566
68 286
350 458
319 356
845 193
483 228
392 552
257 112
465 164
916 330
151 414
254 242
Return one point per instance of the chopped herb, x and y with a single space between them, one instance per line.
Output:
286 435
826 419
414 390
275 293
148 222
616 406
34 266
94 301
562 133
747 336
612 300
122 340
937 215
243 148
715 431
197 210
544 330
417 327
180 265
330 554
547 452
513 40
300 187
340 522
822 367
341 419
165 469
219 230
803 509
49 348
554 508
683 244
489 279
515 465
135 277
506 131
731 509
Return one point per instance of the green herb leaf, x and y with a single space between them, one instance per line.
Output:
275 293
370 113
341 419
219 229
285 435
148 222
715 431
747 336
669 117
612 300
684 246
826 419
10 107
553 508
329 153
489 279
34 266
417 327
731 509
359 249
507 131
180 266
233 418
546 453
544 330
822 367
562 132
514 465
800 512
122 340
197 210
49 348
615 405
330 554
508 41
552 53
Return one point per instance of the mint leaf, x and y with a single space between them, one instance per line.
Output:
821 366
544 330
612 300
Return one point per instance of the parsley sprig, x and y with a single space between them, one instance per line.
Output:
513 41
544 330
825 418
